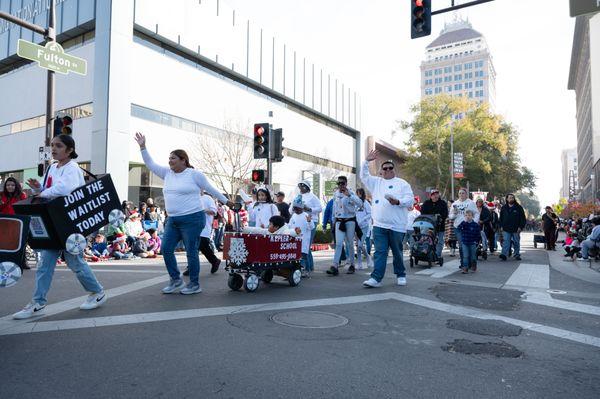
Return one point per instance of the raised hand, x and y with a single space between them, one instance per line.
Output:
33 183
141 140
371 156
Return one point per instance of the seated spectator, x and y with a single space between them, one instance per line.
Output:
154 242
572 246
592 240
133 228
100 247
140 248
119 248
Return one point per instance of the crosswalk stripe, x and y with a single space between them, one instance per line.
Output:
531 276
441 272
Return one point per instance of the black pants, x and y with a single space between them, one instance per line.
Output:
550 236
207 250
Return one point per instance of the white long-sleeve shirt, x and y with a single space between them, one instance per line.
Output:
209 206
457 212
311 201
182 190
410 218
299 220
363 216
261 212
386 215
61 181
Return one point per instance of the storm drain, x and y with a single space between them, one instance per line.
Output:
497 349
309 319
496 328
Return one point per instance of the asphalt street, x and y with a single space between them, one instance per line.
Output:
528 329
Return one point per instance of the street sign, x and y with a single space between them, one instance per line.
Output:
330 186
316 184
582 7
52 57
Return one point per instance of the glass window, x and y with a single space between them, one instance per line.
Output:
469 65
458 77
438 71
470 94
448 89
457 68
469 75
438 90
438 80
468 85
479 83
447 78
448 69
428 92
458 86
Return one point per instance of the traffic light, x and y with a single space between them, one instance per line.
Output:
62 125
261 141
420 18
258 175
277 145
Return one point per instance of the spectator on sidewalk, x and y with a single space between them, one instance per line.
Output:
549 225
11 193
512 222
437 206
592 240
392 196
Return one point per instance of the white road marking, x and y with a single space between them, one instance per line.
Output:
61 325
530 275
6 322
543 298
115 270
441 272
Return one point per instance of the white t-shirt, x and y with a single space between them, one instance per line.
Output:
182 190
457 212
209 204
261 212
386 215
310 200
61 181
299 220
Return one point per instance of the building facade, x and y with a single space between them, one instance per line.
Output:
584 78
569 173
459 63
185 73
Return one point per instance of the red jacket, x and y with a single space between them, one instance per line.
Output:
6 204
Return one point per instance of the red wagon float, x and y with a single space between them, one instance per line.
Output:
253 257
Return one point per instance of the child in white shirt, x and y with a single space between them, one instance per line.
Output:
263 209
301 223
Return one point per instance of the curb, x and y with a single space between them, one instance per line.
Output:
319 247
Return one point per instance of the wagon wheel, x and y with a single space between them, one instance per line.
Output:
235 281
295 277
251 283
267 276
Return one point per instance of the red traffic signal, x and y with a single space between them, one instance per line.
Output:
261 140
258 175
420 18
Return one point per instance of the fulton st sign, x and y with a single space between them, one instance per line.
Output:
51 56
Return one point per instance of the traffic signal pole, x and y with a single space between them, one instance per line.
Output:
50 36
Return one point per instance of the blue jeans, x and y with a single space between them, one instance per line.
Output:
408 238
309 257
515 239
440 244
469 255
458 234
368 244
45 271
303 262
386 239
188 229
342 237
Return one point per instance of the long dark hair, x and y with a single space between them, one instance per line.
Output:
181 154
361 194
68 141
18 189
269 200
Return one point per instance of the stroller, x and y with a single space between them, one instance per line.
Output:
425 241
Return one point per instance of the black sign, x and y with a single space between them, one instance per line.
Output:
13 239
84 211
582 7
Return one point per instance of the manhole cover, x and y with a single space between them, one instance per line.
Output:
558 292
309 319
498 349
496 328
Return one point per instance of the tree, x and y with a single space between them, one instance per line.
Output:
226 156
488 143
530 203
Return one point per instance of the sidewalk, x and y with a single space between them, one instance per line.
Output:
583 270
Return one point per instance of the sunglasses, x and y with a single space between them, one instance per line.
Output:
388 168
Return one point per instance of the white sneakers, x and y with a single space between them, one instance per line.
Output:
93 301
173 286
369 261
33 308
372 283
30 310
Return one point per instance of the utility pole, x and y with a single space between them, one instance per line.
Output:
451 162
50 36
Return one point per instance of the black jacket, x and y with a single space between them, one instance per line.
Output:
284 210
512 218
440 207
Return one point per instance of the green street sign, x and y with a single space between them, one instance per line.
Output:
583 7
52 56
316 185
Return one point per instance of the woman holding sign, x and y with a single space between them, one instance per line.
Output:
61 178
182 187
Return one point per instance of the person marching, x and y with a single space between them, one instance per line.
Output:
363 217
263 209
392 196
457 214
512 222
470 236
301 223
437 206
313 207
345 203
61 178
182 189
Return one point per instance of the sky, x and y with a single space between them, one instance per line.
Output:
368 45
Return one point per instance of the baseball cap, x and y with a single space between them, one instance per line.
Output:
433 191
280 194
